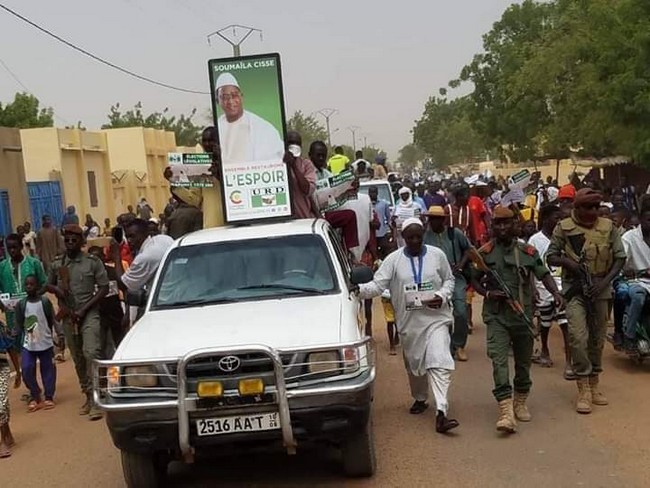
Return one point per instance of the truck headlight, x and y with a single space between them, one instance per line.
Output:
323 362
140 376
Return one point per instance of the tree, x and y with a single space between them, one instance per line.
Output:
411 154
446 134
187 133
24 113
308 127
508 112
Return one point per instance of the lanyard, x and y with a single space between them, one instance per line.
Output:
417 277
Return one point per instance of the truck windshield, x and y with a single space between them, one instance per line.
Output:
245 270
383 191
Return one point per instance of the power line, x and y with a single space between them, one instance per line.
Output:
15 77
97 58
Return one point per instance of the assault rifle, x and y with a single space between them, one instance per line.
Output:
501 285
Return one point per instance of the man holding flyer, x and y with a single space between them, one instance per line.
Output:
244 136
421 287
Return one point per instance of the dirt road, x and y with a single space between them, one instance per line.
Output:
610 448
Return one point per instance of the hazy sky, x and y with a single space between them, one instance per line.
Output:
377 62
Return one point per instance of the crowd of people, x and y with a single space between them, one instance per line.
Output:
544 250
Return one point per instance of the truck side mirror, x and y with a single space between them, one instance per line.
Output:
136 298
360 275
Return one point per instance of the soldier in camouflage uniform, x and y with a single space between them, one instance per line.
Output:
516 263
589 249
79 282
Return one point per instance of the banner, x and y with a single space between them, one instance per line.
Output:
248 110
520 180
333 192
190 170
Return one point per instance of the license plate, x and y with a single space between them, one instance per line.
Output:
238 423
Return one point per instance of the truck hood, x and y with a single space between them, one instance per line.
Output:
284 323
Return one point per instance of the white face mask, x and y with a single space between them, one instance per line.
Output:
295 150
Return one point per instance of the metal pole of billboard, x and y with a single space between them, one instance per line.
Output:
235 43
327 113
354 129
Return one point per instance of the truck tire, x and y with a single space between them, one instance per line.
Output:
358 452
143 470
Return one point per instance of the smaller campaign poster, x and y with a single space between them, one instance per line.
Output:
248 110
190 170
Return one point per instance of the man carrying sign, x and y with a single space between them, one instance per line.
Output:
421 287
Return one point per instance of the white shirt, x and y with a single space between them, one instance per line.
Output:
29 241
250 138
362 208
540 242
146 262
424 333
638 254
40 337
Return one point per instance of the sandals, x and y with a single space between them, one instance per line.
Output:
545 362
34 406
5 452
48 405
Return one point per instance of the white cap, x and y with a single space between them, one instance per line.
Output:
412 221
404 189
226 79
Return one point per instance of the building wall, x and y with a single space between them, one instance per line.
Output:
12 175
138 159
68 155
41 153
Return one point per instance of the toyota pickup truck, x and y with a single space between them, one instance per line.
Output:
250 339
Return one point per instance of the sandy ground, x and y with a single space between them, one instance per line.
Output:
559 448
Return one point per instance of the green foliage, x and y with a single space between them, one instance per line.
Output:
187 133
558 77
24 113
446 134
308 127
411 154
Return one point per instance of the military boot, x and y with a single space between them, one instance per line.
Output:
506 422
520 408
583 402
597 396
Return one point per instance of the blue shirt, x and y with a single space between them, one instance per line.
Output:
420 202
382 209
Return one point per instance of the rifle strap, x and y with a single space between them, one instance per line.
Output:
519 278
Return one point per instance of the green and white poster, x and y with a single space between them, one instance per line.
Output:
248 110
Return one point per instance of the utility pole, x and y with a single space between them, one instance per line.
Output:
233 39
354 129
327 113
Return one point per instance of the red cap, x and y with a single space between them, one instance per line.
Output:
567 192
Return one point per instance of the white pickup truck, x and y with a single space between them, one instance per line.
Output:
250 338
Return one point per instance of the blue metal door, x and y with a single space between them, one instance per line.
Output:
45 199
5 214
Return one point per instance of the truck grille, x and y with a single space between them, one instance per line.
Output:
253 363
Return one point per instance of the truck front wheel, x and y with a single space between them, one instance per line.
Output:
143 470
359 453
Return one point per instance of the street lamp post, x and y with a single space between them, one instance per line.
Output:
327 113
235 43
354 129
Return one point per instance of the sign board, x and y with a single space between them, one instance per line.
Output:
248 111
520 180
333 192
190 170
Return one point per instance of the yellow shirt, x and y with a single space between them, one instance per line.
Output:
337 163
213 206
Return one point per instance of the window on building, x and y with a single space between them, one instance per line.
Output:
92 189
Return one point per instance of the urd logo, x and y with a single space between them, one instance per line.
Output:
271 196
